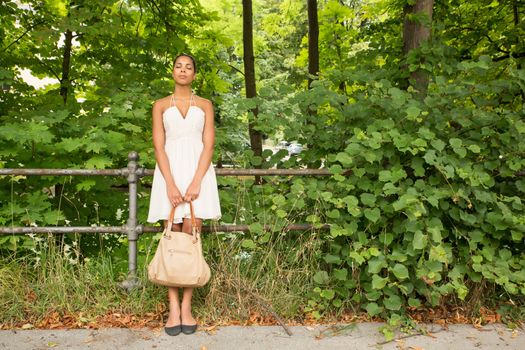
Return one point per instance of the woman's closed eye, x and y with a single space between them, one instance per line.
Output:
188 67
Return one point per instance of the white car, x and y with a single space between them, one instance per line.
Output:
294 148
291 147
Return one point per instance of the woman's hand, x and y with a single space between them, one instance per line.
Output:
192 193
174 195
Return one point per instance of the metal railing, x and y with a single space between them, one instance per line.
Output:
133 172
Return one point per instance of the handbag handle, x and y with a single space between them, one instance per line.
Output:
194 230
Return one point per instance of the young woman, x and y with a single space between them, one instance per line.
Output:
183 137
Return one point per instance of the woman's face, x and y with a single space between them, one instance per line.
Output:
183 71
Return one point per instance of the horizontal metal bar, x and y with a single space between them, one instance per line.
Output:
262 172
61 172
145 229
149 172
62 229
273 172
243 228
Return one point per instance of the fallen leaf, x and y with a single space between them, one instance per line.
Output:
210 328
51 344
204 347
427 280
484 329
400 344
441 322
27 326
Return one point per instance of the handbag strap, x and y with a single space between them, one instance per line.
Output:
192 218
194 230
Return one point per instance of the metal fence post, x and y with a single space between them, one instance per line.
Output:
132 229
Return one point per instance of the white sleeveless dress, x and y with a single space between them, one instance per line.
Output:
183 147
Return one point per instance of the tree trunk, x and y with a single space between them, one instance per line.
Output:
515 14
249 73
313 41
66 65
415 33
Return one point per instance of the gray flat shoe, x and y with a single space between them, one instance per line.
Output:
175 330
188 329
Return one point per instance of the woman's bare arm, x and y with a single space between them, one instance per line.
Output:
158 143
208 139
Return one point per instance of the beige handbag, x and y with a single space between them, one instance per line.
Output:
178 261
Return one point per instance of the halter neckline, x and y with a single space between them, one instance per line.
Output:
173 104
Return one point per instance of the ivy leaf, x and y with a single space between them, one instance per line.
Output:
385 175
332 259
373 309
281 213
474 148
412 302
460 152
248 244
341 274
438 144
327 294
520 126
413 112
378 282
376 265
455 143
420 240
344 159
256 227
321 277
393 303
400 271
352 205
368 199
336 169
372 214
333 214
256 160
417 165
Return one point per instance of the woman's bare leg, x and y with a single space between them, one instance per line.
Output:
187 294
173 295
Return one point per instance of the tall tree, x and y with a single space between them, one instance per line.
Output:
66 64
249 74
416 30
313 41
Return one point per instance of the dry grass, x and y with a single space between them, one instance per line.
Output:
271 279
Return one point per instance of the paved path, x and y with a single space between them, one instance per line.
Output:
354 336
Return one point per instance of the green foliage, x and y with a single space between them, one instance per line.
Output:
94 111
433 203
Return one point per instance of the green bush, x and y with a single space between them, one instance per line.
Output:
433 204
